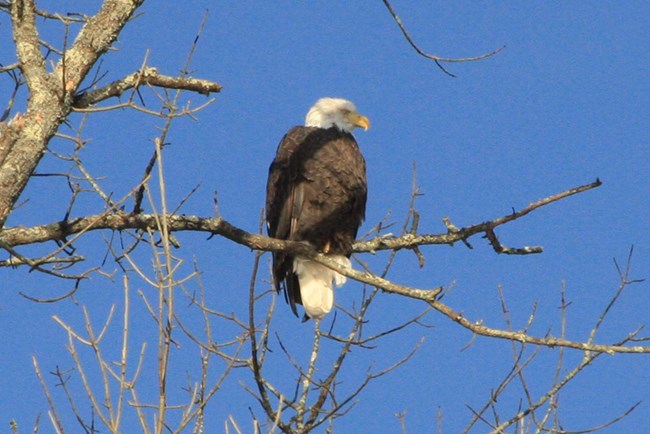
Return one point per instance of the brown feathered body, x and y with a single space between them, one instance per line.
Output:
316 192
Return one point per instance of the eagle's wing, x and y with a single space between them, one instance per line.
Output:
285 197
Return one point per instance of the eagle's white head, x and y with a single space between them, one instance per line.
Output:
335 112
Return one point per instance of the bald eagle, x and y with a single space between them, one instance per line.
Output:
316 192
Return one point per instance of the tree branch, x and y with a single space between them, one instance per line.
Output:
23 143
454 235
28 47
218 226
433 57
148 76
93 40
119 221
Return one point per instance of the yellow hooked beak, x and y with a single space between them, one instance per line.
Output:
359 120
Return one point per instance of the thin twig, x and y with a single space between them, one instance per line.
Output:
436 59
56 420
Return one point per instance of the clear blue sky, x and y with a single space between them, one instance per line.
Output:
565 103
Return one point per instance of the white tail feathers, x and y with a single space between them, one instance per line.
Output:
316 282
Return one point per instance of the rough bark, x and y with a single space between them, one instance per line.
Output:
23 141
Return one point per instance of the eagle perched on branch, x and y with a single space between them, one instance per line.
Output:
316 192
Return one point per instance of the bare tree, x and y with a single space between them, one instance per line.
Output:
64 89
